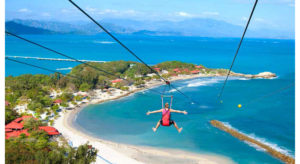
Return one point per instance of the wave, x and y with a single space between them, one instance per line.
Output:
262 140
173 90
104 42
61 69
203 82
207 81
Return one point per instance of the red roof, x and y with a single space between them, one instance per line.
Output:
177 70
6 103
16 133
157 69
18 120
199 66
50 130
8 130
116 81
57 101
195 71
14 125
186 70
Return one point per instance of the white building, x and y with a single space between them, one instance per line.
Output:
164 72
151 74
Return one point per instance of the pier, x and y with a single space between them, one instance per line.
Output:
54 59
285 158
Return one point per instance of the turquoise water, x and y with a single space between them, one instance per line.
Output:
270 119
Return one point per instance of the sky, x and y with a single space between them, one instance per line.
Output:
270 14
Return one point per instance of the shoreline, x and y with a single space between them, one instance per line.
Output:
112 152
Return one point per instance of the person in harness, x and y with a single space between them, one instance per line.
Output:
166 117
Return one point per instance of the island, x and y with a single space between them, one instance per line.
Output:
34 102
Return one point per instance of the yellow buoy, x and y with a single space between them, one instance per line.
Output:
240 105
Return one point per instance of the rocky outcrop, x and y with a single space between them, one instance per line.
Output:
285 158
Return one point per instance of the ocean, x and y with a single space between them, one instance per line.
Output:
267 113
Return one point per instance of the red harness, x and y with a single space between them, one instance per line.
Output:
166 115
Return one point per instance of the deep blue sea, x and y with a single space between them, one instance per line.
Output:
268 113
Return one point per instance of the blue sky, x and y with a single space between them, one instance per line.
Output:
270 14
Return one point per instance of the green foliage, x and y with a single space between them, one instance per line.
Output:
10 115
35 106
166 76
118 85
65 97
137 69
138 82
103 81
85 87
124 88
64 104
37 148
175 64
32 124
54 107
78 97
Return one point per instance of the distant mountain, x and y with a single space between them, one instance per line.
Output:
191 27
22 29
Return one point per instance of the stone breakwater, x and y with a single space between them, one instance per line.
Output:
285 158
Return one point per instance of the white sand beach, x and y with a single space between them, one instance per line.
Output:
110 152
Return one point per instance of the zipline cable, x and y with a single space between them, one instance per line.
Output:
248 22
124 46
116 39
43 68
61 54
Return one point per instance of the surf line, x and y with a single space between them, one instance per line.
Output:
56 59
242 137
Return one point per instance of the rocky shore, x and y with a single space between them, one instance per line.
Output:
285 158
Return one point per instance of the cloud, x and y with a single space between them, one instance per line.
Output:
65 11
184 14
90 9
244 18
108 11
209 13
259 20
46 14
24 10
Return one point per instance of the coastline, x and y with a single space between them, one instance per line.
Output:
111 152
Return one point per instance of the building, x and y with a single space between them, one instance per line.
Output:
116 80
195 72
151 74
16 128
186 70
199 66
7 103
177 70
164 72
51 131
57 101
157 69
16 133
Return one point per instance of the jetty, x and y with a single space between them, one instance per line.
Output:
285 158
54 59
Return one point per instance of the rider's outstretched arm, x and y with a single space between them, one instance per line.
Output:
178 111
155 111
